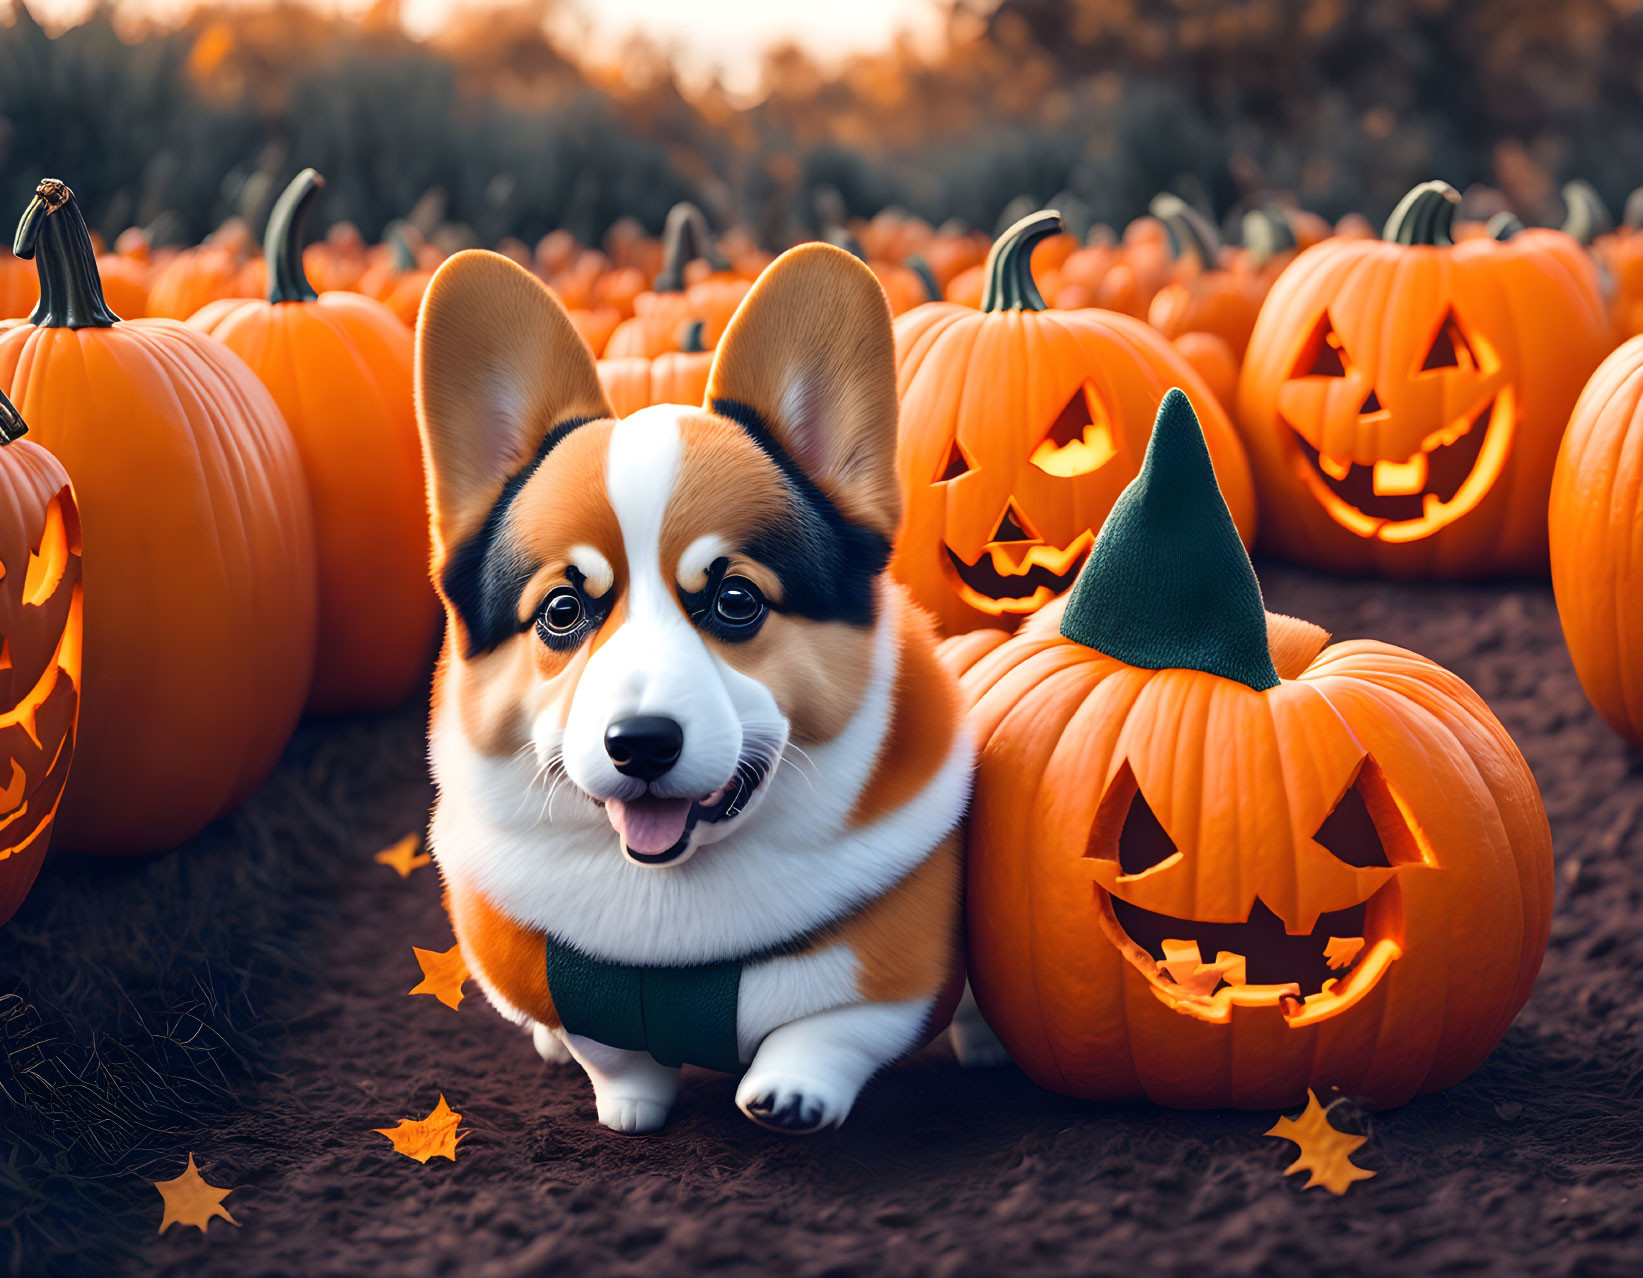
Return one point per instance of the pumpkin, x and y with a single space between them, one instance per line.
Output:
197 277
340 368
199 645
19 290
40 631
660 314
1203 297
1215 363
1213 862
1402 398
1596 525
398 280
1621 252
677 377
1020 425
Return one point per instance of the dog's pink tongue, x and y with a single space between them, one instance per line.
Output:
649 825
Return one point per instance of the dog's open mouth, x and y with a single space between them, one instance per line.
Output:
1205 969
1020 577
656 831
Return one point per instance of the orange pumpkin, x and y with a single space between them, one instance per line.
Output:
1402 399
1019 427
1215 363
19 290
40 630
677 377
1597 539
340 369
1621 252
660 315
399 279
197 277
199 646
1213 862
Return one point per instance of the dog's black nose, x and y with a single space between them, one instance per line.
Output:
645 745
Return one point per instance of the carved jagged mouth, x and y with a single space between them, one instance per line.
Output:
1207 969
1019 577
1400 500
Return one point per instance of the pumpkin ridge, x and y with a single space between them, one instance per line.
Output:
282 241
1168 583
71 290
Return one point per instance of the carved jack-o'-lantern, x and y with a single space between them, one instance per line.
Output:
1212 862
1020 426
40 621
1402 399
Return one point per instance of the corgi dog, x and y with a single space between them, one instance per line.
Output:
699 772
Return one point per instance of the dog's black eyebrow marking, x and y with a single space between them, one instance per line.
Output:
826 564
480 579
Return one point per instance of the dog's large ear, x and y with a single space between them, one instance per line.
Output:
810 358
498 366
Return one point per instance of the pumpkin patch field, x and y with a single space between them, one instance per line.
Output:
1177 470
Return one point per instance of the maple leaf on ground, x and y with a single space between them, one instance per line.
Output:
442 974
190 1201
404 856
423 1138
1325 1150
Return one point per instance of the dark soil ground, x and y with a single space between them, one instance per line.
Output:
245 999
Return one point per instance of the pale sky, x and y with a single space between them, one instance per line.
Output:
705 34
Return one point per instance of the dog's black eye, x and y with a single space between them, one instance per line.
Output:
563 611
738 603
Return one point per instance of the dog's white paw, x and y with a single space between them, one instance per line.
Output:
550 1047
797 1106
976 1046
632 1115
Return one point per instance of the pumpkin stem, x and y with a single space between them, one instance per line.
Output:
401 253
1293 643
1424 216
1168 584
685 237
1188 230
1587 217
53 232
1632 217
690 337
1503 226
1009 271
12 426
841 238
282 242
1267 233
919 267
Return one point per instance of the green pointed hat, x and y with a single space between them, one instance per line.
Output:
1168 584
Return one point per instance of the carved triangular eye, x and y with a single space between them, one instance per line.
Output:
957 464
1127 831
1367 829
1324 354
1449 348
1143 842
1079 440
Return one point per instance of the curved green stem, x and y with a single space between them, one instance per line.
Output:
1587 216
1503 226
282 242
53 232
690 337
1424 216
685 237
12 426
1189 230
1632 217
1009 270
1267 233
919 267
401 255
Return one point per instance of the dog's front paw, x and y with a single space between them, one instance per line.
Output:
632 1115
550 1047
795 1106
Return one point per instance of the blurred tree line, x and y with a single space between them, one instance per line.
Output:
493 129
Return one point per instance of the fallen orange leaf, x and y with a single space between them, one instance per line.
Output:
190 1201
442 974
1325 1149
404 856
423 1138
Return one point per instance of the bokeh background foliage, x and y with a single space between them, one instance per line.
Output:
496 127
